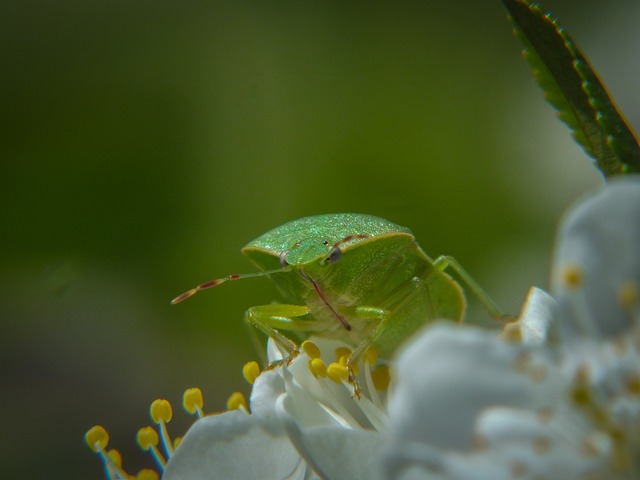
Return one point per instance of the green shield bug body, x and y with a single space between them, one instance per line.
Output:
353 277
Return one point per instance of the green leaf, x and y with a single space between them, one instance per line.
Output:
572 86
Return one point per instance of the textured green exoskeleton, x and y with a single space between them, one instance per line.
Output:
357 278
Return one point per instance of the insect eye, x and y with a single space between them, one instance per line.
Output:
334 256
283 258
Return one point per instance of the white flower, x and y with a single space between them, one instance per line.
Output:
597 263
236 444
556 395
468 406
336 451
284 402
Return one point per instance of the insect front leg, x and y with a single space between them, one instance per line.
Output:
269 319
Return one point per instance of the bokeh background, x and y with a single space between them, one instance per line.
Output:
144 143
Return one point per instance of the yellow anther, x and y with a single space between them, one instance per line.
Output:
97 438
251 370
542 445
572 276
370 356
177 441
342 352
344 361
318 368
381 377
160 411
115 457
633 384
511 332
581 393
147 474
628 295
236 401
337 372
147 438
192 400
311 349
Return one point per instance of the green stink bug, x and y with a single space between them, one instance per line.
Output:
353 277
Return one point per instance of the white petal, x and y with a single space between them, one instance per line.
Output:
266 389
448 375
334 452
238 445
599 243
545 445
536 318
535 325
233 445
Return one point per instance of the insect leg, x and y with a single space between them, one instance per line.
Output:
396 301
445 261
269 318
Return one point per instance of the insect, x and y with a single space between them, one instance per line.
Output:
353 277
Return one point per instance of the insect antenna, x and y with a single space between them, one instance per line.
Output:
218 281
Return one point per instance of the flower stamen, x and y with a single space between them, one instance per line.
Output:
337 372
161 414
370 356
237 401
192 402
97 439
342 352
311 349
318 368
381 376
628 296
572 276
147 474
250 371
148 440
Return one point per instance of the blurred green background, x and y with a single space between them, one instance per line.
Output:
145 143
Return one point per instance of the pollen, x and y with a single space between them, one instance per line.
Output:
161 411
337 372
97 438
318 368
311 349
192 401
519 469
542 445
147 474
633 384
545 415
344 361
371 356
237 402
511 332
147 438
581 395
115 457
538 373
381 377
572 276
342 352
628 295
250 371
589 447
522 362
